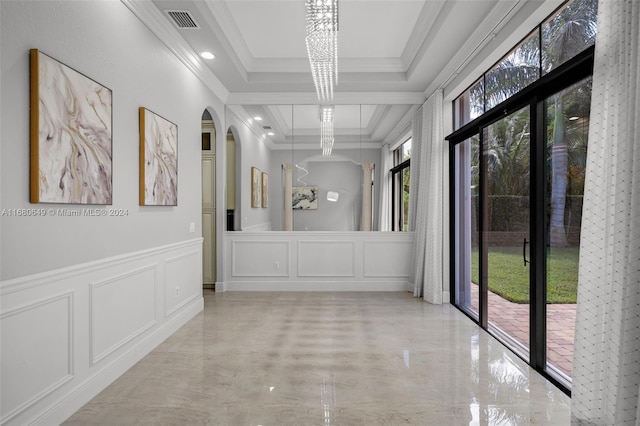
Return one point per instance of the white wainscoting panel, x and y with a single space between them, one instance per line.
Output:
316 261
183 279
122 308
69 333
326 258
260 258
387 258
37 357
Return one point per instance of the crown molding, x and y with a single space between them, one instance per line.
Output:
157 22
492 24
377 118
402 127
257 130
429 16
219 18
340 98
347 65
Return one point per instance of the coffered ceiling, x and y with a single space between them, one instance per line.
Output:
392 53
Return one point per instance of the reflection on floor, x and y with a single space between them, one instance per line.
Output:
513 319
328 359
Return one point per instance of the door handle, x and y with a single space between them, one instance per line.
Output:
524 251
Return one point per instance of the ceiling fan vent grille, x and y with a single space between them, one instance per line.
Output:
182 19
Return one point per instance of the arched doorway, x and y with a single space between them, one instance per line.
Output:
208 201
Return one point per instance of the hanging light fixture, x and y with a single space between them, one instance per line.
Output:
322 45
326 129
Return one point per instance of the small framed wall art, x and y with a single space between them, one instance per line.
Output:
265 190
305 198
256 193
70 135
158 160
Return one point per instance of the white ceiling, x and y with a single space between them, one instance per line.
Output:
392 54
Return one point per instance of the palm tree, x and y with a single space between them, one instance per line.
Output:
564 36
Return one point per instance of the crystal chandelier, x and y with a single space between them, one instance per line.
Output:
322 45
326 129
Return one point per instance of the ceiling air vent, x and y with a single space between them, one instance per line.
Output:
182 19
266 127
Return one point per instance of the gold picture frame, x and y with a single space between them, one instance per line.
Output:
71 135
265 190
256 193
158 183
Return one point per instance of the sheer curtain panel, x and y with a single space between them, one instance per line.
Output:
428 157
606 367
384 222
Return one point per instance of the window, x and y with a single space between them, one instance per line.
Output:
561 37
400 177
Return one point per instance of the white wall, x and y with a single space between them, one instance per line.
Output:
84 298
106 42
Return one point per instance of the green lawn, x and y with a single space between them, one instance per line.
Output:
509 278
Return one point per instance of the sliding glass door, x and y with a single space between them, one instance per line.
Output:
516 192
466 217
567 130
506 187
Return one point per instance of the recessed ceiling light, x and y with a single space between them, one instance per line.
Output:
207 55
270 133
257 118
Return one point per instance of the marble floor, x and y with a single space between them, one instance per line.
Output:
328 359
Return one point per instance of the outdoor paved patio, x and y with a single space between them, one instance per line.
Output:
513 318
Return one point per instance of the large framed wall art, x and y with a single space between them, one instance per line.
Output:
70 135
158 160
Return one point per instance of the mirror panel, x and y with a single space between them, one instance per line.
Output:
325 191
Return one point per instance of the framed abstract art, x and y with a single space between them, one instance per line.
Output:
265 190
70 135
158 184
256 186
304 198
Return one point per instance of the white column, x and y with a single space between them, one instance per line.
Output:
287 223
367 179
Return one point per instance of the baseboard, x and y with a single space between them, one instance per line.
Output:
98 381
315 286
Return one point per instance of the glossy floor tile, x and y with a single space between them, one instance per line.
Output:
328 359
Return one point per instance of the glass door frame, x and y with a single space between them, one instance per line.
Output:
534 96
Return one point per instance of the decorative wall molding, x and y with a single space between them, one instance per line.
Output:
326 258
101 318
32 361
317 261
258 258
30 281
384 259
122 306
186 266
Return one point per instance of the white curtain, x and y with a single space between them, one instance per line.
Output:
384 219
428 156
606 367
